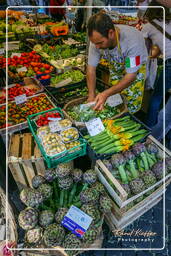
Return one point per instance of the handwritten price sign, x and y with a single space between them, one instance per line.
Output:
95 126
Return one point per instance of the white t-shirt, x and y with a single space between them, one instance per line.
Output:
149 31
132 45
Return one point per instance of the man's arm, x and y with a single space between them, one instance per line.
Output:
120 86
91 82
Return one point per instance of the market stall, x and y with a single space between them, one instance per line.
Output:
75 168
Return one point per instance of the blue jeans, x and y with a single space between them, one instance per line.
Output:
157 130
157 97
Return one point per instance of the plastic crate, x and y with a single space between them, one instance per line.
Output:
53 161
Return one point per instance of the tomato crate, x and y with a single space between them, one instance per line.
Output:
21 122
24 159
65 156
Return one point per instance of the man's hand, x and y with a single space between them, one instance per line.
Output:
100 100
91 98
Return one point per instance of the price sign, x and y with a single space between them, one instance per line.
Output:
114 100
23 69
54 126
2 51
54 118
94 126
18 54
20 99
76 221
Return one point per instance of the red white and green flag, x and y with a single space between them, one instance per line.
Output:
132 62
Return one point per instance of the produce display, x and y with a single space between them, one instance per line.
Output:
56 52
50 199
138 169
119 135
70 134
80 114
44 119
29 88
74 75
18 113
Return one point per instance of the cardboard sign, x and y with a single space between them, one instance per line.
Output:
95 126
2 51
76 221
18 54
23 69
20 99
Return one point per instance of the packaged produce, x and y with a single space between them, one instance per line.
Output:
54 149
69 134
73 144
43 131
47 117
65 123
50 139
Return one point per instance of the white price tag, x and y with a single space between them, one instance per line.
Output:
54 126
2 51
18 54
20 99
77 221
87 105
114 100
95 126
54 118
23 69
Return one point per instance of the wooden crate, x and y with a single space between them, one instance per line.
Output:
114 223
118 194
24 159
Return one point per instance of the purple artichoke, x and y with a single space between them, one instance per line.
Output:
108 164
138 148
152 148
168 164
157 169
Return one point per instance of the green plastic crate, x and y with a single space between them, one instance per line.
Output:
53 161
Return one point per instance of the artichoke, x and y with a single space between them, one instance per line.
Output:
152 149
46 218
34 236
50 175
54 235
73 242
157 169
137 186
149 178
64 169
28 218
46 190
98 187
118 161
168 164
90 235
37 181
31 197
90 176
140 150
77 175
89 195
130 157
92 211
64 184
59 215
105 203
108 165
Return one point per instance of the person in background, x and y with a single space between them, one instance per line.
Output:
124 49
57 13
154 30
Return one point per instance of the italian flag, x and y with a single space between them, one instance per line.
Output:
132 62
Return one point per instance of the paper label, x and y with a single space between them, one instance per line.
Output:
114 100
54 126
18 54
54 118
87 105
23 69
20 99
95 126
2 51
76 221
